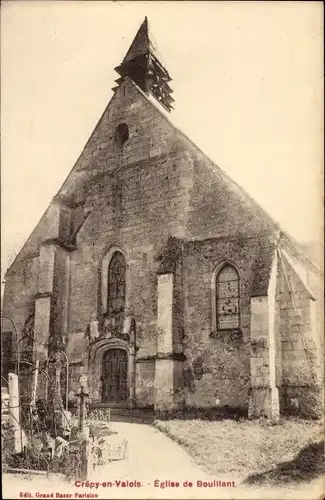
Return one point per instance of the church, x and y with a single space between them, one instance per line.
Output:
161 279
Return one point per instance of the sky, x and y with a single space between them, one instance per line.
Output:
248 89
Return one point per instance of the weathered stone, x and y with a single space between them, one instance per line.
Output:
110 448
61 447
177 219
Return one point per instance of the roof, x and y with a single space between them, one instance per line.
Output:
141 44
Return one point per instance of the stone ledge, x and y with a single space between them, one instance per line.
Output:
59 242
64 201
43 295
174 356
162 356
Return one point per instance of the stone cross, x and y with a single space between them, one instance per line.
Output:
57 403
85 448
83 394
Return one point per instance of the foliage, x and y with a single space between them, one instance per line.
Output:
189 413
99 414
33 457
37 456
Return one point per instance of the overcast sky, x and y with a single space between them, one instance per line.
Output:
248 86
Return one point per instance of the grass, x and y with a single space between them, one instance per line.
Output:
246 448
307 465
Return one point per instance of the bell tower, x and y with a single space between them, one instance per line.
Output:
141 64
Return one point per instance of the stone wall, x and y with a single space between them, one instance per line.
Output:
152 195
299 377
144 383
219 207
19 294
217 365
60 294
178 309
158 185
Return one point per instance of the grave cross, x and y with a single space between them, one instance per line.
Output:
57 387
83 394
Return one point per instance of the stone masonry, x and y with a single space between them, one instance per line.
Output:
153 197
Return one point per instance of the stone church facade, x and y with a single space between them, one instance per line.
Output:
160 278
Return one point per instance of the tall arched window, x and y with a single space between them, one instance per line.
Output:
116 284
227 298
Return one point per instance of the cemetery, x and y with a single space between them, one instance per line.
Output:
51 434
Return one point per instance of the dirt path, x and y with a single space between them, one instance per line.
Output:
152 457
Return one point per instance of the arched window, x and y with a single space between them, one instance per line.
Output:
227 298
121 134
116 284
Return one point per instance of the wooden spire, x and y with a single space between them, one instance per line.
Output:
141 64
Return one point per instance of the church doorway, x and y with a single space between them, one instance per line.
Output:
114 376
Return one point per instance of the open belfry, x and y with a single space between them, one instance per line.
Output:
160 278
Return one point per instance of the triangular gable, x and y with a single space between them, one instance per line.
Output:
83 170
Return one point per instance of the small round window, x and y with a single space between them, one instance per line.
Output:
122 134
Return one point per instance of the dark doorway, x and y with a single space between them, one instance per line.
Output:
114 378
